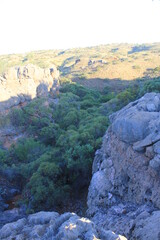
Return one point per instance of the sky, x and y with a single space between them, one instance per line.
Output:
28 25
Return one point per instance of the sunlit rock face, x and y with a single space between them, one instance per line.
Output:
20 84
52 226
126 170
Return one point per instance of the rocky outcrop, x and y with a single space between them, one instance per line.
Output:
11 215
20 84
125 185
51 225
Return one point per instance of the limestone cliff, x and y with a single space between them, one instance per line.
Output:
125 185
20 84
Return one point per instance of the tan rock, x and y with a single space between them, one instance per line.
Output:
24 81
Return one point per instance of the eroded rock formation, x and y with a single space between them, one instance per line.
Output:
20 84
52 226
125 185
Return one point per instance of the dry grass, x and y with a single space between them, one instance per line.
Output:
108 62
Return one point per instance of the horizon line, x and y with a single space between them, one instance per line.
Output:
80 47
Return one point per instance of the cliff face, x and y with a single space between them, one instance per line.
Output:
125 185
20 84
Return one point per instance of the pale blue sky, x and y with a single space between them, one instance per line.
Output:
27 25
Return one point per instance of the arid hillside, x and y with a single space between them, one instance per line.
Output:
95 66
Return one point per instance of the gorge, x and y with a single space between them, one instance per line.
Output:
124 191
61 141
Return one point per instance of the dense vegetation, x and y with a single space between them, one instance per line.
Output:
55 157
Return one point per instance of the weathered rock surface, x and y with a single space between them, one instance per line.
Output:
12 215
126 171
51 225
20 84
147 227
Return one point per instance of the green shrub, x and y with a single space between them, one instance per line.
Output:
17 117
3 158
151 86
62 139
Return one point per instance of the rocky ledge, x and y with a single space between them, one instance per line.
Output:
52 226
124 194
20 84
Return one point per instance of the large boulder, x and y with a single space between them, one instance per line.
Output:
20 84
138 119
52 226
126 170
